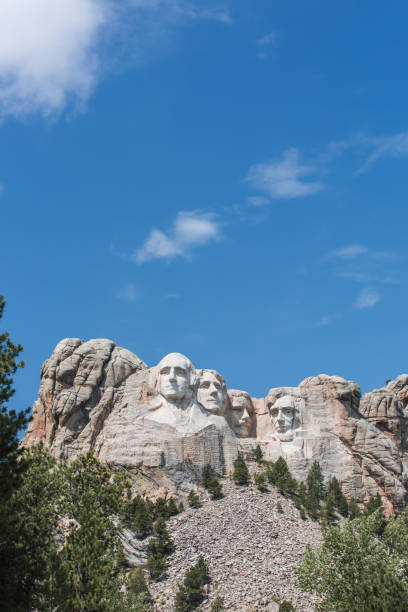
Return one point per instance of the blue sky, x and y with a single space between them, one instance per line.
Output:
223 179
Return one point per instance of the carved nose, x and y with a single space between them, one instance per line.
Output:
245 416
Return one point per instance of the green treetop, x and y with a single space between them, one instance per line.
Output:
240 474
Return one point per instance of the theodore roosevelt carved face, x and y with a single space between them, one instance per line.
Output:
212 391
176 378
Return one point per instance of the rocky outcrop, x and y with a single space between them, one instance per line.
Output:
164 424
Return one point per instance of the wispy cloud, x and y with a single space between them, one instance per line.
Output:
371 148
190 229
358 263
350 251
367 299
285 178
54 53
265 43
176 9
288 177
258 200
267 40
129 293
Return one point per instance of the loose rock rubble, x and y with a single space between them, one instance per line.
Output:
250 549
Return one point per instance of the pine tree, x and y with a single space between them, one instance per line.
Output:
240 474
278 474
138 595
10 422
328 514
373 504
260 481
190 594
354 509
207 476
218 604
203 570
181 507
161 508
215 488
258 454
172 509
158 548
314 483
193 499
302 492
138 518
343 506
11 471
93 503
160 532
156 562
33 509
279 508
357 568
334 489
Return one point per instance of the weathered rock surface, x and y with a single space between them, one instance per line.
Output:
164 424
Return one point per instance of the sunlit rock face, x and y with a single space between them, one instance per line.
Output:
165 423
241 414
212 392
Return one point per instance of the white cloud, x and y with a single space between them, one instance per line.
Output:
349 252
367 299
48 53
284 178
54 52
189 230
129 293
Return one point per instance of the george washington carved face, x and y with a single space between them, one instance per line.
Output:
176 378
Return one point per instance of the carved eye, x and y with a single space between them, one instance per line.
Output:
179 370
217 386
205 385
165 371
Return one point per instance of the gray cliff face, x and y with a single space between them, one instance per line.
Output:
164 424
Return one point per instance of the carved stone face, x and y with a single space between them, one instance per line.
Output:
241 415
211 392
283 414
175 377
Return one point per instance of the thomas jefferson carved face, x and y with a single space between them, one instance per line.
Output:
241 414
176 377
284 415
212 392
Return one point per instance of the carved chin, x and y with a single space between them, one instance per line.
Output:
173 395
213 409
